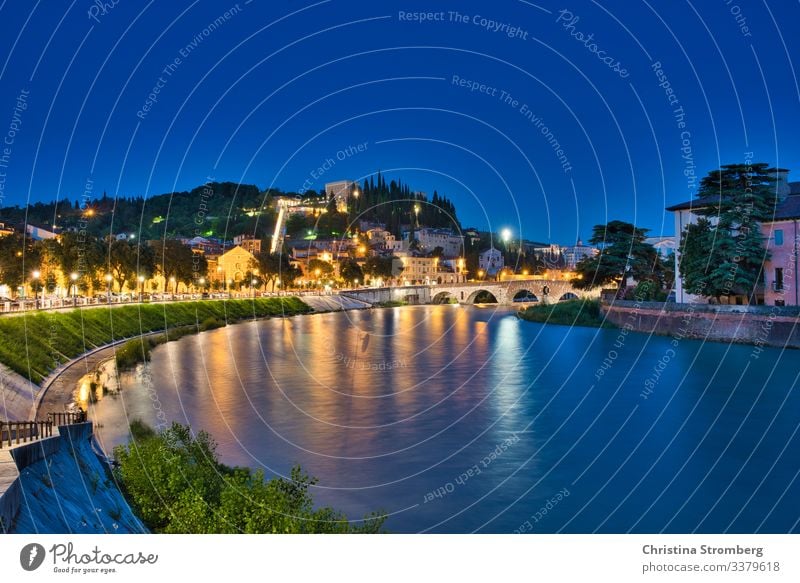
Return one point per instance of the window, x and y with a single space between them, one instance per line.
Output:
778 237
778 278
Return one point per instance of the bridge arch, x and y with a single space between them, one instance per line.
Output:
567 296
444 297
525 295
482 296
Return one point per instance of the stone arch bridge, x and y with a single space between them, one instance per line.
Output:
504 292
507 292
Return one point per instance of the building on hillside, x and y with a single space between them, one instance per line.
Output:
232 266
418 270
206 246
548 253
5 230
782 239
340 191
491 262
574 254
40 233
429 239
248 242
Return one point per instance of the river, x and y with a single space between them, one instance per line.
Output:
461 419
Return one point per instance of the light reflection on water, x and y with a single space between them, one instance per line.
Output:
387 406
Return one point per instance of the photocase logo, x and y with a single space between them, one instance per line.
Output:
31 556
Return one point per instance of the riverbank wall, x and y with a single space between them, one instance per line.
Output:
58 485
775 326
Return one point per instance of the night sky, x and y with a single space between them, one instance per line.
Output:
507 107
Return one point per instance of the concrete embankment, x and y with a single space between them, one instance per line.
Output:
334 303
59 485
758 325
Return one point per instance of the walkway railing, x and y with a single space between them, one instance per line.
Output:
24 431
66 417
16 432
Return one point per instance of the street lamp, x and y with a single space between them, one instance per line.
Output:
74 278
174 284
141 287
202 282
505 235
253 283
36 275
108 287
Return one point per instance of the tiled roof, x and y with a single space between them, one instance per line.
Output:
788 209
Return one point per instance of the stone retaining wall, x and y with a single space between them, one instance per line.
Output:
758 325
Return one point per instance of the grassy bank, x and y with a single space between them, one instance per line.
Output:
176 484
569 313
36 343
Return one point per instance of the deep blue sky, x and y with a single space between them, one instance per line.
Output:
279 87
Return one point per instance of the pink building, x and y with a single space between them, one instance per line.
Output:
782 237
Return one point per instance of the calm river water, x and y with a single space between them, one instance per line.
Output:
461 419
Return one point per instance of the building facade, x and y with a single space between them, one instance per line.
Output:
232 266
574 254
340 191
781 236
491 261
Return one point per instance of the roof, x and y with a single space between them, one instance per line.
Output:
789 208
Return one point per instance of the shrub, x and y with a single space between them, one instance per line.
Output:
570 313
176 484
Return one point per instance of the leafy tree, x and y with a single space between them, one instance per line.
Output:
122 262
351 271
177 484
11 261
378 266
324 267
723 253
174 259
624 253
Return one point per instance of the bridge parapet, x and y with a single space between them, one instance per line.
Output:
541 290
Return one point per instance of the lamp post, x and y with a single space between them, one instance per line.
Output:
36 275
109 279
253 283
202 282
173 283
74 279
141 287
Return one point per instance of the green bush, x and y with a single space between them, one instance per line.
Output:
32 344
569 313
176 484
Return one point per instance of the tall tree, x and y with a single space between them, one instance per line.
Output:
723 254
351 271
623 253
175 260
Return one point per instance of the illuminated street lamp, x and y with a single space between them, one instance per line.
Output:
505 235
174 283
108 279
74 279
140 279
36 275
